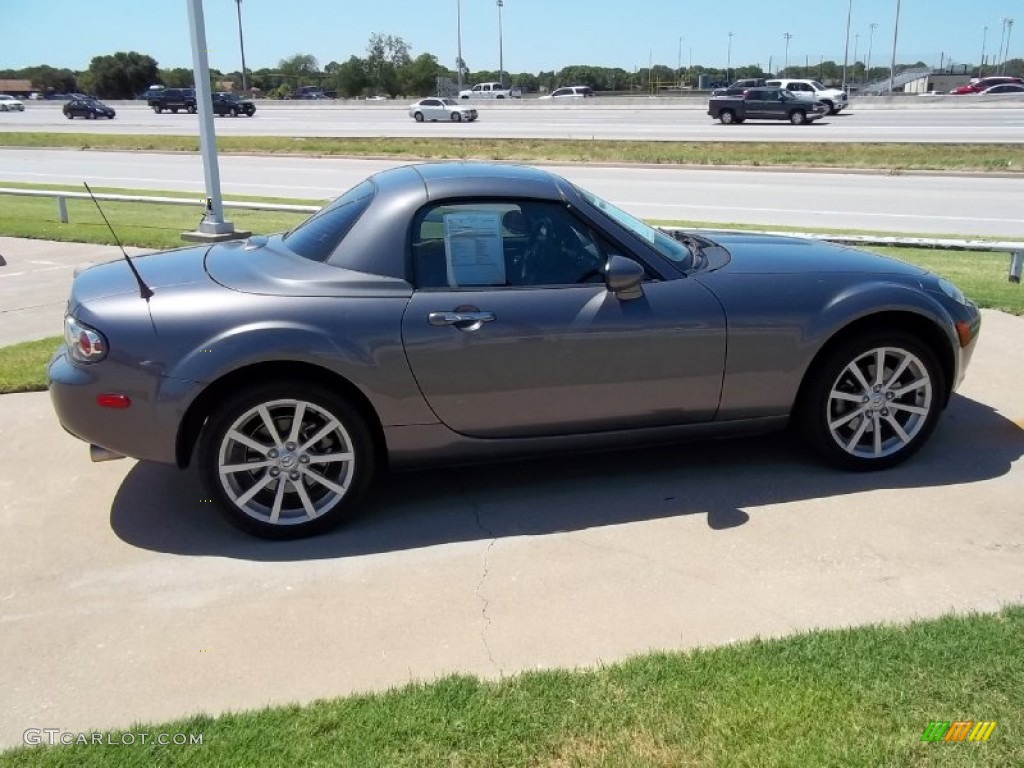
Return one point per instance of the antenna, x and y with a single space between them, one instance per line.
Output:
145 291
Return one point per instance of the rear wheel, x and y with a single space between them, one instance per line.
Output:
286 460
174 110
234 112
872 402
90 115
418 117
727 116
158 110
191 109
456 117
797 117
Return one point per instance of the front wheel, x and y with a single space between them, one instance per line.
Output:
456 117
69 116
830 108
418 117
798 117
90 115
191 109
873 401
727 117
286 460
158 110
234 112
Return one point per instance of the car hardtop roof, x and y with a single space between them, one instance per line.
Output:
449 179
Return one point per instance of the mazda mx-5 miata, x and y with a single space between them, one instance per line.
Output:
456 312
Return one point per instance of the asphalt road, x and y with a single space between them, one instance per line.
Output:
998 120
124 598
940 205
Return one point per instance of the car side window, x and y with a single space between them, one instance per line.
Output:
498 243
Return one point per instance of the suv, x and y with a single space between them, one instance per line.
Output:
225 103
571 92
172 99
835 99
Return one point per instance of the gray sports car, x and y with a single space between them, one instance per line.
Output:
456 312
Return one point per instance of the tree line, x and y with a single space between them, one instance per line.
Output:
389 69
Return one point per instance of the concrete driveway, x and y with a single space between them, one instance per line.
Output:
124 598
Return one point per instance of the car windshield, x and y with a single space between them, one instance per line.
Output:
449 102
318 236
665 245
817 86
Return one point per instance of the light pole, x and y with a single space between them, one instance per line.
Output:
728 59
981 62
458 41
871 39
679 63
501 55
241 45
856 45
1006 51
787 38
846 50
895 37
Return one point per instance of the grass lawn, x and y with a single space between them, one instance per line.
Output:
859 697
891 157
22 366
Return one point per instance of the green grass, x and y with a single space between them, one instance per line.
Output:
890 157
23 366
858 697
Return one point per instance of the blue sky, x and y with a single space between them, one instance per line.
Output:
537 34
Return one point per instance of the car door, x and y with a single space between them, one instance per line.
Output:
511 331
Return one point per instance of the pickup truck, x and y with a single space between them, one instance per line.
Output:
492 91
765 104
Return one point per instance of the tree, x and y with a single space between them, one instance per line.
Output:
419 78
299 66
350 79
122 75
177 77
386 55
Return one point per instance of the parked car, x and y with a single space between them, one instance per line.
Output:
1003 88
452 312
434 109
737 87
87 108
834 99
172 99
571 92
225 103
10 104
765 104
977 85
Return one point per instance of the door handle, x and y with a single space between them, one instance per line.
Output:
465 321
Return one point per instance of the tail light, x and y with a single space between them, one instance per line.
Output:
85 344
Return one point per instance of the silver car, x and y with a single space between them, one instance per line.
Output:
435 109
452 312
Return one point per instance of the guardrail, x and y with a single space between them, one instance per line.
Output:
1015 249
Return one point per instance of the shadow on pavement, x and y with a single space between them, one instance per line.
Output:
161 509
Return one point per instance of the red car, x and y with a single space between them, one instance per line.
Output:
977 86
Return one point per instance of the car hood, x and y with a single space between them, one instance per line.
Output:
265 265
774 254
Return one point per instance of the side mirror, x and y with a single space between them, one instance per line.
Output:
623 277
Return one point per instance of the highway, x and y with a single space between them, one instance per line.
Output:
913 119
914 203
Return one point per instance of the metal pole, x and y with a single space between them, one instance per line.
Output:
871 39
1006 53
856 45
981 63
846 50
787 37
728 59
999 55
213 222
501 55
458 27
241 45
895 37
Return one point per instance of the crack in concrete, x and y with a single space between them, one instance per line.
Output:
478 591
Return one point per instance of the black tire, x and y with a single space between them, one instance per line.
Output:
798 117
234 112
69 116
293 468
418 117
456 117
174 110
158 110
727 117
853 425
191 109
90 115
830 107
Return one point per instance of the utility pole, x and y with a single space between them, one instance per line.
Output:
501 55
241 45
856 45
1006 52
846 50
787 38
984 39
871 39
458 34
728 59
895 37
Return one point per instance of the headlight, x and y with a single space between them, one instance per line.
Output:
86 344
952 291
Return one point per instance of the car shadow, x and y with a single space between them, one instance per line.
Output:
162 509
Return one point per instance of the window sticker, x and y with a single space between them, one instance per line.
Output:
473 248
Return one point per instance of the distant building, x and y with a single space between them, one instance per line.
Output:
22 88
